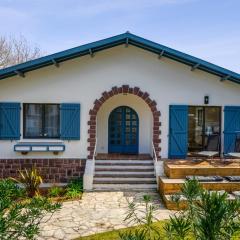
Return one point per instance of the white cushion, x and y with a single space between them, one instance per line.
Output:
234 154
208 153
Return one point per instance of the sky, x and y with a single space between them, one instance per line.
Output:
208 29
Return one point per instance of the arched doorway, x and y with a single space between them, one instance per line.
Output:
123 131
124 89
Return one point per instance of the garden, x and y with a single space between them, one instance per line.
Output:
206 216
23 205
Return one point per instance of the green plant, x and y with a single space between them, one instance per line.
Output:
133 235
217 217
10 190
178 228
74 188
209 215
55 191
31 181
143 217
20 219
73 193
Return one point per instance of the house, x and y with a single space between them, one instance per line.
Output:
121 98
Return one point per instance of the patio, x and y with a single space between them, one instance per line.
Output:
96 212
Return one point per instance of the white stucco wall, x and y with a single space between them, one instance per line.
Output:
84 79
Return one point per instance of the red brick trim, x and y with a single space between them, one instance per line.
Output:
119 90
52 170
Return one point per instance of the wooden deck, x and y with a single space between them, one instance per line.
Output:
177 170
170 186
182 168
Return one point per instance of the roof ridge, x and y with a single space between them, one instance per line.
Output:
127 38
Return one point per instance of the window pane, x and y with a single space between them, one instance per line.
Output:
212 122
51 128
202 123
33 120
195 127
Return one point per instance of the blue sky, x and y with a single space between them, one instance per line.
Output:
208 29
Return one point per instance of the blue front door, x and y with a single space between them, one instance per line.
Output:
123 131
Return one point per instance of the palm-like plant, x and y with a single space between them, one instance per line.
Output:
31 181
217 217
178 228
209 215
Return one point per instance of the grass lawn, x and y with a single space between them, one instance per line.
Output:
113 235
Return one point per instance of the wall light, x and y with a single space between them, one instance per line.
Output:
206 99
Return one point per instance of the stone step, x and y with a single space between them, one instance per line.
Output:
124 174
123 156
124 162
132 187
124 180
124 168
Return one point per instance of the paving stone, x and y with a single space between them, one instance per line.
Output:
96 212
59 234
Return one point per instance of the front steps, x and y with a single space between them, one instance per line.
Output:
124 174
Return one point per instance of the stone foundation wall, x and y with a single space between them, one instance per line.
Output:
52 170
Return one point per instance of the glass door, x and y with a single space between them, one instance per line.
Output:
204 121
123 127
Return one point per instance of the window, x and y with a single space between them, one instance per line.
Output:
41 120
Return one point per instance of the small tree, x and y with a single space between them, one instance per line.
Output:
19 217
16 50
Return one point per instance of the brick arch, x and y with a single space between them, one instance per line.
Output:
92 123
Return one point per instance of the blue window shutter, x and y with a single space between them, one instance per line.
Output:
231 127
10 121
70 121
178 131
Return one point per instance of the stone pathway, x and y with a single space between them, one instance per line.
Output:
96 212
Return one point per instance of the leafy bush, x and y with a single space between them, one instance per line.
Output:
178 228
55 191
10 190
74 188
31 181
141 217
209 215
20 219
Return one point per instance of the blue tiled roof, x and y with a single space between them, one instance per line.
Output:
124 38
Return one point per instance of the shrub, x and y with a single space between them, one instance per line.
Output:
74 188
10 190
209 215
141 217
20 219
55 191
31 181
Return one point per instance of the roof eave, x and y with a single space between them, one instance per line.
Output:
115 41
